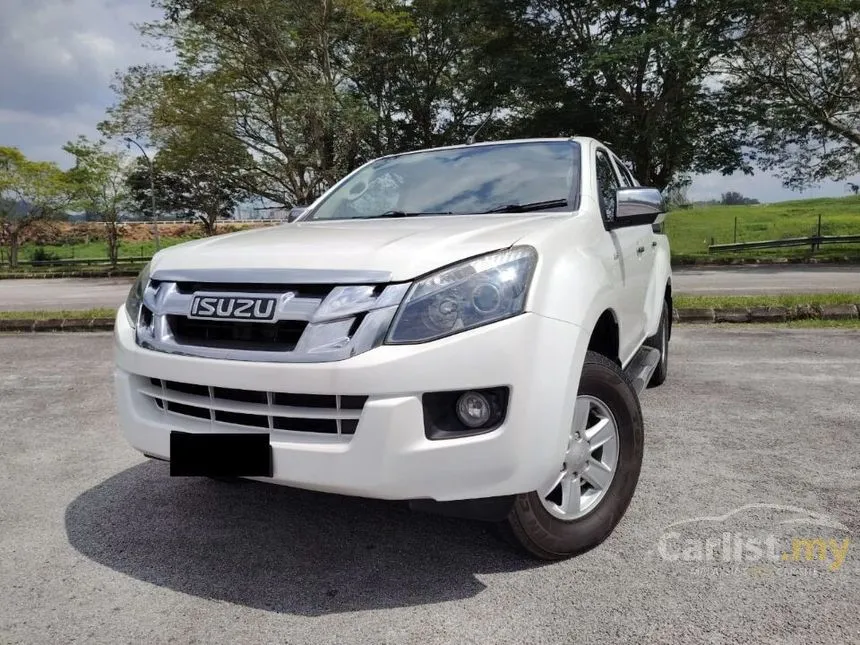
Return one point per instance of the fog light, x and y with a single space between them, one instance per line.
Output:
473 409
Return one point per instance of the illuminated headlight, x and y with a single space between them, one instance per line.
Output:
134 301
467 295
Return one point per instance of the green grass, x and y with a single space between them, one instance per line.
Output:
99 250
76 314
692 230
788 300
794 324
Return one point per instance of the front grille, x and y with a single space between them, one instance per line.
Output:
282 336
315 414
302 291
310 322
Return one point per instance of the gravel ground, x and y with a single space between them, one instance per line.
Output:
98 545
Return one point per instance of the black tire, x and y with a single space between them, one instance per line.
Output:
547 537
660 342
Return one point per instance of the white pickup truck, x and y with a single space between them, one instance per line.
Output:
464 328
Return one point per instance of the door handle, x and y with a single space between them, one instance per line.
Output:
653 244
640 250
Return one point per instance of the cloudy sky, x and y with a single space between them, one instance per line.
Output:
57 59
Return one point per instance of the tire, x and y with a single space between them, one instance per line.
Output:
541 532
660 341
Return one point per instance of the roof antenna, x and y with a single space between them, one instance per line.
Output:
471 140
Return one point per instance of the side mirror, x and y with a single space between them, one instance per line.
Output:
637 207
295 213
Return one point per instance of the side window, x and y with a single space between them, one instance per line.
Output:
626 175
607 184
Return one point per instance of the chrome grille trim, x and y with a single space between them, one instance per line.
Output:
348 320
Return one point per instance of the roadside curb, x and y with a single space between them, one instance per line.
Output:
706 315
767 314
56 324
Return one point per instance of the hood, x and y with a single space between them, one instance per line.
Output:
405 248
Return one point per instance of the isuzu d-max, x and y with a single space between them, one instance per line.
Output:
466 328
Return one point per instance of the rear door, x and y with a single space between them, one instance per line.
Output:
630 245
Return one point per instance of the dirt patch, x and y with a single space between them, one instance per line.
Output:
63 233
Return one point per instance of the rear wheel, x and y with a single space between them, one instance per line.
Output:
660 341
581 502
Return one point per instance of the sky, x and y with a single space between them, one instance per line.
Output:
58 57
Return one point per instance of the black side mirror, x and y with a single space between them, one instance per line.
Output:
295 213
637 207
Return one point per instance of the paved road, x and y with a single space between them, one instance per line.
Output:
63 293
762 279
98 545
24 295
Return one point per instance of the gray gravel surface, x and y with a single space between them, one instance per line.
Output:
86 293
99 545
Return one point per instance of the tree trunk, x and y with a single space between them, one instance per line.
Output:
113 242
13 247
208 221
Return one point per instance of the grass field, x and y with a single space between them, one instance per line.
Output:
787 300
97 250
691 231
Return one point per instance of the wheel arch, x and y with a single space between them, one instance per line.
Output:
604 337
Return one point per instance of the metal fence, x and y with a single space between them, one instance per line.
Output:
813 241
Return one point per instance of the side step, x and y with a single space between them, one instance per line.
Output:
642 367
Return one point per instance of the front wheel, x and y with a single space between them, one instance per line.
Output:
582 501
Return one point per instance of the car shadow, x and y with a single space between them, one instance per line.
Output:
281 549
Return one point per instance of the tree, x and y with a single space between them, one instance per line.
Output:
638 75
99 185
198 178
733 198
29 191
797 78
270 75
432 73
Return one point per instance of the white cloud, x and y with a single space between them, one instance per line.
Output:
58 59
760 186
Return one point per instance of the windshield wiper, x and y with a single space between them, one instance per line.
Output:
526 208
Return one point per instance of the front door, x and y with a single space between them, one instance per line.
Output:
633 246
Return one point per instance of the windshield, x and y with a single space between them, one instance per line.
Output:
506 177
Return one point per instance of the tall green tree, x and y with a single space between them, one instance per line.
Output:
638 74
266 73
99 185
197 178
796 76
29 191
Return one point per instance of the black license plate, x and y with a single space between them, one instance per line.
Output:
220 455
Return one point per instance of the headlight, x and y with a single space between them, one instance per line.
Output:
134 301
465 296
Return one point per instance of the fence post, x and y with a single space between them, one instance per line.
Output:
815 245
736 230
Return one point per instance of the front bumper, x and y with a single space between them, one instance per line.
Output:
389 456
